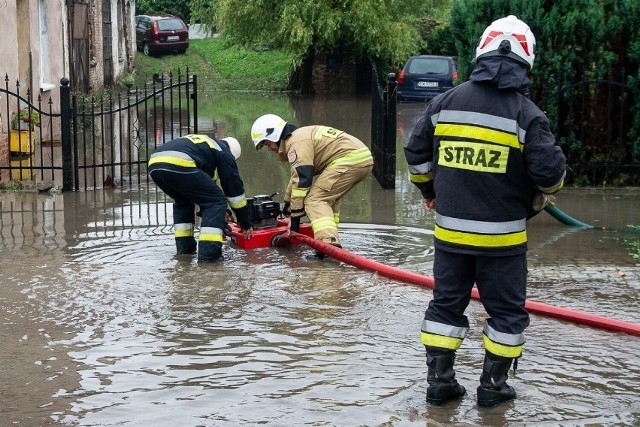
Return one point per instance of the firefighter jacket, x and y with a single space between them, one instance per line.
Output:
482 150
213 157
312 149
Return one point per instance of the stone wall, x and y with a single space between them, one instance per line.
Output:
333 75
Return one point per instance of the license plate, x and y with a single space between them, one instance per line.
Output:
427 84
173 38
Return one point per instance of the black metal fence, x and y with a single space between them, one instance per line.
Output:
97 140
383 129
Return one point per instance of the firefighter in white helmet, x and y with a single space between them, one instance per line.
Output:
186 169
337 160
483 157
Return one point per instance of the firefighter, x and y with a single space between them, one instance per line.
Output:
338 160
187 169
485 160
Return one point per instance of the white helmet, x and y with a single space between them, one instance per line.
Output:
508 37
234 146
268 127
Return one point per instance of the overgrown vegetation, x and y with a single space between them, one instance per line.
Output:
219 63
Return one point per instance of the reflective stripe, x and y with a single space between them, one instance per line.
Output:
429 326
423 168
237 202
484 227
420 178
203 139
481 240
172 157
435 334
555 188
355 157
502 344
299 192
481 119
323 223
327 132
440 341
479 133
336 218
211 234
184 229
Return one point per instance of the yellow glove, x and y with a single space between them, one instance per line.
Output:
540 200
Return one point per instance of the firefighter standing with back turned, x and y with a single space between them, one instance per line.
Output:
338 160
186 169
485 160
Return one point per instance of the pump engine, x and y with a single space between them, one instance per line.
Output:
263 211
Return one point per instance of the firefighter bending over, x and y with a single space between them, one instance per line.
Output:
186 169
337 160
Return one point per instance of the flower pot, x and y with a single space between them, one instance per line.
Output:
21 141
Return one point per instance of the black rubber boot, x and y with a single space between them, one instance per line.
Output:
443 386
209 252
185 245
493 388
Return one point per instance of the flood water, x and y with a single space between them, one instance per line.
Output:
102 325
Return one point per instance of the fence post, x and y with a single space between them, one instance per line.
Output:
389 134
65 134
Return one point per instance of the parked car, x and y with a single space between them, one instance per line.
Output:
424 77
161 34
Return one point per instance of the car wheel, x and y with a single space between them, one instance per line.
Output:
145 49
182 50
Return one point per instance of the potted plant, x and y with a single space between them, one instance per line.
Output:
26 118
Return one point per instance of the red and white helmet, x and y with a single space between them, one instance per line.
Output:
508 37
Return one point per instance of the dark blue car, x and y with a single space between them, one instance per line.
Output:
424 77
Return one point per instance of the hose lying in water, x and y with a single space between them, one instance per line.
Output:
564 218
422 280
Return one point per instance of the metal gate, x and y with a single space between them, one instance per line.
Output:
98 141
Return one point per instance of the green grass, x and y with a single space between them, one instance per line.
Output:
220 65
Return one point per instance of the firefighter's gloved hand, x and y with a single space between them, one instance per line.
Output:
227 229
286 209
541 200
295 224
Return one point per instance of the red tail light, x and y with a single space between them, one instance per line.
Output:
155 30
401 78
455 76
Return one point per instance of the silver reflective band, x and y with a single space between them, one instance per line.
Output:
183 226
236 198
445 330
420 169
484 120
481 227
503 338
211 230
171 153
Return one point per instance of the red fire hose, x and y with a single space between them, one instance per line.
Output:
421 280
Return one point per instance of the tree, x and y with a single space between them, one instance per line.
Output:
356 29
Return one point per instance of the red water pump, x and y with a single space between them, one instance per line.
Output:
267 221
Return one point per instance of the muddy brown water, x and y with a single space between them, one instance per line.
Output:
102 325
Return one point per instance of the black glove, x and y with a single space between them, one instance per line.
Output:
286 209
295 224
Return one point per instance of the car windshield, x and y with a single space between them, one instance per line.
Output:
170 24
429 66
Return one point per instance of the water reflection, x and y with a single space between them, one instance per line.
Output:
104 325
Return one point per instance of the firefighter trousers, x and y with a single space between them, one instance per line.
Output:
501 283
322 204
189 187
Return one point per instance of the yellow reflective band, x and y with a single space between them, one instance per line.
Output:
323 223
299 192
211 234
479 133
336 217
172 160
183 229
473 156
441 341
355 157
327 132
238 205
500 349
481 240
203 139
421 178
215 174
